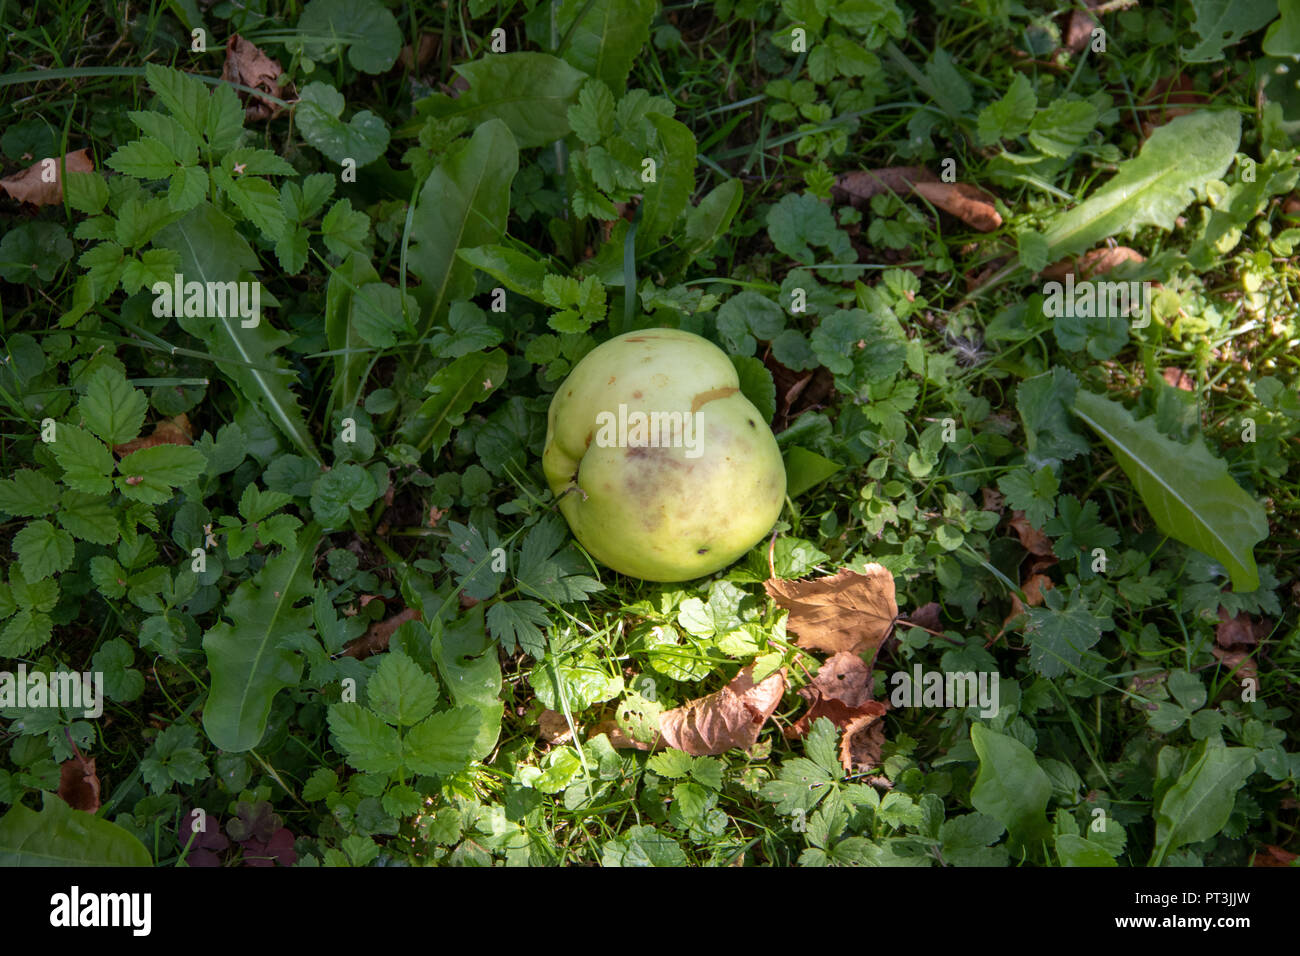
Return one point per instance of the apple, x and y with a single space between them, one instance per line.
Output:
664 470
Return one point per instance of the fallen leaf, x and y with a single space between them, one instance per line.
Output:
731 717
79 784
1177 378
847 611
30 186
248 65
863 742
553 727
926 616
376 637
1079 27
1239 662
1093 263
617 736
1239 630
1031 539
169 431
968 203
993 500
1269 855
428 46
841 692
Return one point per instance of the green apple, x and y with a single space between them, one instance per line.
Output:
663 468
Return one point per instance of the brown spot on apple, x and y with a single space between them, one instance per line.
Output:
712 394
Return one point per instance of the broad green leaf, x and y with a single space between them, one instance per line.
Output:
369 744
456 389
464 202
1197 806
111 408
144 158
605 36
712 217
381 313
212 251
1221 23
85 460
319 114
368 31
530 92
1154 187
341 490
514 270
806 469
1186 489
666 197
756 385
247 663
444 742
42 549
342 333
62 836
150 474
467 662
400 691
1074 850
28 494
1011 787
256 198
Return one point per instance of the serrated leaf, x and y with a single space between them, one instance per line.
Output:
1186 489
1222 23
444 742
85 460
400 692
111 408
150 474
368 31
28 494
257 199
456 389
369 744
341 332
42 549
514 270
185 97
530 92
144 158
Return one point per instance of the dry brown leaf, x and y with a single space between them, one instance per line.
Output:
968 203
376 637
79 784
248 65
847 611
428 46
1239 630
1177 378
926 616
1092 263
840 692
1031 539
993 500
554 729
731 717
1079 27
863 741
169 431
29 185
1269 855
1240 662
617 738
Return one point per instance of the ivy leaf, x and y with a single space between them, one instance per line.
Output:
111 408
362 139
42 549
1187 490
